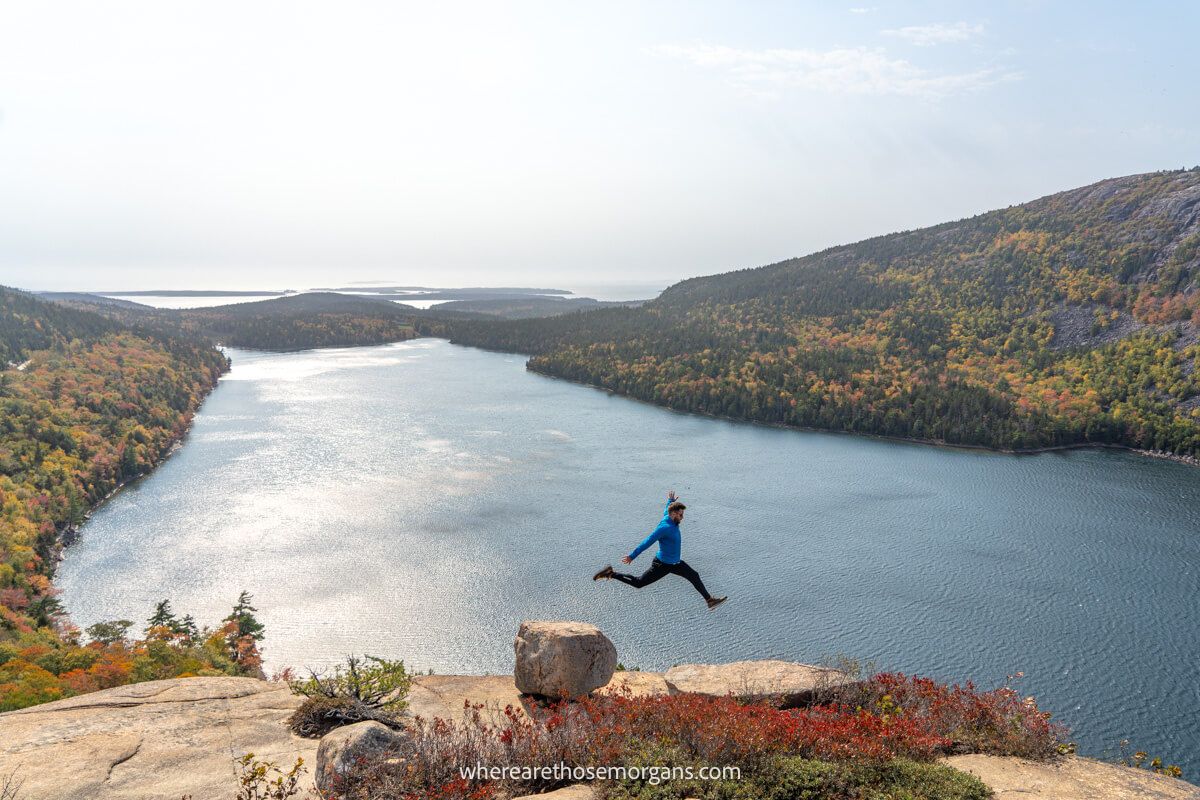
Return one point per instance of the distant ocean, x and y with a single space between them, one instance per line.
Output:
602 291
621 291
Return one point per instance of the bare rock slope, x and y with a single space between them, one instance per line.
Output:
1071 779
162 739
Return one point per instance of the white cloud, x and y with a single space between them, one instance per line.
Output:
854 70
860 10
938 33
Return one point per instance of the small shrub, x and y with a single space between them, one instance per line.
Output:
10 787
1142 760
263 780
375 682
318 715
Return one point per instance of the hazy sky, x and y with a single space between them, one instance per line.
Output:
291 144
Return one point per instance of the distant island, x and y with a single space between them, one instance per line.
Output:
470 291
294 322
191 293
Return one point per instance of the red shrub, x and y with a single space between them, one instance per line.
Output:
889 716
722 730
997 721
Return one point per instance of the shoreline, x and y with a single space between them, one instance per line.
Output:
1160 455
68 535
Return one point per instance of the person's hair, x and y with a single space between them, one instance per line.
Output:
675 507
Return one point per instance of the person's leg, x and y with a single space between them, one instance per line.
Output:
683 570
657 570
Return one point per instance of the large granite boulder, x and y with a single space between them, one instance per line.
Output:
160 740
783 683
1070 779
556 659
344 749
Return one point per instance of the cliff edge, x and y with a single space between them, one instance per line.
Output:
164 740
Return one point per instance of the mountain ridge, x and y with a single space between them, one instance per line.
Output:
941 334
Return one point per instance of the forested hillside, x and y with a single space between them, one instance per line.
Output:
1071 319
298 322
86 405
27 324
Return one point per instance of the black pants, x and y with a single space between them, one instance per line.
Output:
659 570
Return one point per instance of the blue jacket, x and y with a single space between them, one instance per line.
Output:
667 536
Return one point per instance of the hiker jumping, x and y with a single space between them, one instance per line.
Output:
667 562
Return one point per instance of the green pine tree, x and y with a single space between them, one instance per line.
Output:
163 617
243 615
188 627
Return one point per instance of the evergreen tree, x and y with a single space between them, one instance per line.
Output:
45 610
243 632
187 627
243 616
129 460
163 617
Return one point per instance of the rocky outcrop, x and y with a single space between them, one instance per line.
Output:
342 749
784 683
1071 779
557 659
162 739
168 739
1076 326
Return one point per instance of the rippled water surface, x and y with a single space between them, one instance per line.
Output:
419 500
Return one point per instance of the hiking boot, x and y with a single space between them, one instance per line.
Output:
713 602
604 574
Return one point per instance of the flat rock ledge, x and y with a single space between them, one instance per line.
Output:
447 696
1018 779
151 741
784 683
1071 779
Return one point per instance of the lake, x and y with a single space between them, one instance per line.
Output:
419 500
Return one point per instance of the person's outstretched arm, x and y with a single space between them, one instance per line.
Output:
654 536
671 498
